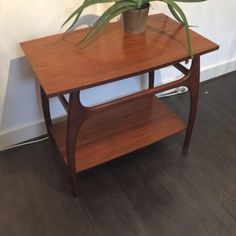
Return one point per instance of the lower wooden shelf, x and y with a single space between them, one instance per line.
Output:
118 131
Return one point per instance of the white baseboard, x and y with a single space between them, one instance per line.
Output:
21 134
217 70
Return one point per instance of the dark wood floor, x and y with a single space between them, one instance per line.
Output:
153 191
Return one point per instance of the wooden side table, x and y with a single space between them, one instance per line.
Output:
94 135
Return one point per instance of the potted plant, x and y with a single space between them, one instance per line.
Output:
129 9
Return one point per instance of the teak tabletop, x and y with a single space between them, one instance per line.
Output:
62 67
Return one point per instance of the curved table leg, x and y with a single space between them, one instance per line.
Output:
193 86
76 116
46 109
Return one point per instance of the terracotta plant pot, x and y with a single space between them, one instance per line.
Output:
135 20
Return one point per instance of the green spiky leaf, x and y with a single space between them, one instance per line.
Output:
183 19
120 6
110 13
77 13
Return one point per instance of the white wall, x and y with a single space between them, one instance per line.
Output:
20 111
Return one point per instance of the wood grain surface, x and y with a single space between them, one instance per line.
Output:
62 67
118 131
